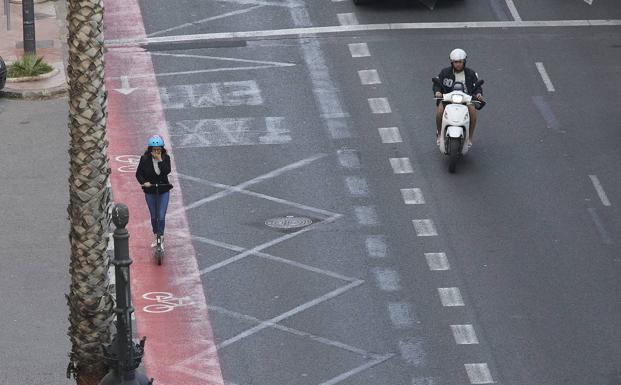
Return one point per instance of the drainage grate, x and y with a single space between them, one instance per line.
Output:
289 222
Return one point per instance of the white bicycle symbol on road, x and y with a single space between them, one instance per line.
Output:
165 302
131 162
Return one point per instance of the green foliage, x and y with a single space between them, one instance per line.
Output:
28 65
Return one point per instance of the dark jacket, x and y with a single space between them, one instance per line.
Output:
447 79
146 173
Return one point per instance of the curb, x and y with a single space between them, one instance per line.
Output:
47 93
22 79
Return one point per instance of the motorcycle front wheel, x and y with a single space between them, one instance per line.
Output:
453 152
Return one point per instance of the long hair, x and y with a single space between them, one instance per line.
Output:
148 151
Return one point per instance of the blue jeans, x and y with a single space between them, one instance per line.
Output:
159 203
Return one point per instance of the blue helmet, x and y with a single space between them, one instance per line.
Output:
156 141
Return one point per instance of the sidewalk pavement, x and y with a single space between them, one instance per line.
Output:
34 252
50 33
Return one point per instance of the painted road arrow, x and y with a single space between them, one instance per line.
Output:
125 90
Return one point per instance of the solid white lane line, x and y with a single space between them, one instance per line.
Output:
313 31
202 21
390 134
424 228
272 258
437 261
379 105
450 296
401 165
376 246
545 77
412 196
514 12
600 190
359 50
366 215
357 186
349 159
347 19
400 315
387 279
464 334
479 373
367 365
235 189
289 314
369 77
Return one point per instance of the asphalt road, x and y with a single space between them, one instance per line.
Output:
504 272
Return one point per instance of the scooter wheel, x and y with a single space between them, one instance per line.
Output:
159 256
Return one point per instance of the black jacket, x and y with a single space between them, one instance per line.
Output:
146 173
447 79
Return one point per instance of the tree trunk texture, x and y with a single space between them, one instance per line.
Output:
89 300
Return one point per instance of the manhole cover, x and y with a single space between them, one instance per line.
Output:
289 222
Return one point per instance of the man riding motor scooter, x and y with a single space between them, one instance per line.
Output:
457 73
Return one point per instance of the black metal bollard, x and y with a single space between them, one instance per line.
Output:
28 18
123 356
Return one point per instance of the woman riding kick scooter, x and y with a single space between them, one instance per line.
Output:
152 174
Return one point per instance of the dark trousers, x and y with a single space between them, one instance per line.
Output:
158 204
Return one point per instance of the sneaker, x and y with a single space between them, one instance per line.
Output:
154 242
162 240
469 144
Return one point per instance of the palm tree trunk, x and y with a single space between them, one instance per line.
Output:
90 303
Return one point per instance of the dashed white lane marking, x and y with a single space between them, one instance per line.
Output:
600 190
359 50
437 261
424 228
412 196
401 165
349 159
599 225
379 106
400 315
357 186
314 31
387 279
544 76
513 9
464 334
412 351
450 296
589 2
390 134
347 19
376 246
369 77
423 381
479 373
366 215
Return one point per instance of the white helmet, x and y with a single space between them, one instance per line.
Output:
457 54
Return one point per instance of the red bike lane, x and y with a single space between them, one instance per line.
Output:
169 301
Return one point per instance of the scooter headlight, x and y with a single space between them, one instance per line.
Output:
458 99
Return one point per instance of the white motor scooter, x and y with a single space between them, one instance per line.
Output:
454 134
